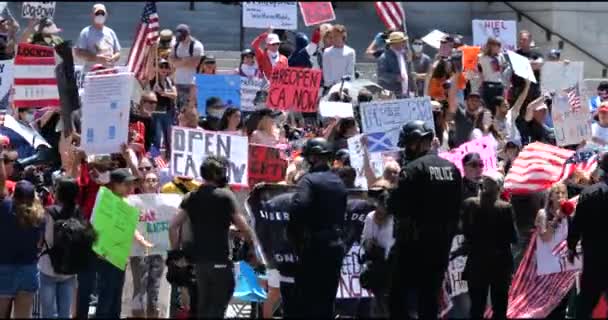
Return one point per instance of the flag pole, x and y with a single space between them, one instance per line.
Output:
241 29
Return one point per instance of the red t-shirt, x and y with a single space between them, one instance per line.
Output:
88 191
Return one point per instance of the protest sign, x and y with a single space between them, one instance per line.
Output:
433 39
262 15
155 214
317 12
357 161
551 256
225 87
79 75
189 147
504 30
457 286
349 286
249 88
485 146
105 112
35 81
334 109
114 221
571 125
558 75
2 6
38 10
521 66
390 115
6 82
294 89
469 57
266 164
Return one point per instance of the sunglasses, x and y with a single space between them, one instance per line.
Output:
150 101
476 165
417 43
145 168
164 66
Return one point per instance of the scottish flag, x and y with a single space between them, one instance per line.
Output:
379 141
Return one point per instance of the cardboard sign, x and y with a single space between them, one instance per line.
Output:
262 15
225 87
105 112
294 89
484 146
457 286
249 88
35 81
521 66
433 39
558 75
38 10
155 214
266 164
6 82
336 109
504 30
571 126
377 160
469 57
390 115
349 286
551 256
316 12
114 221
189 147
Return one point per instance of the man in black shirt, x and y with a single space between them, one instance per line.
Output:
536 60
426 205
211 210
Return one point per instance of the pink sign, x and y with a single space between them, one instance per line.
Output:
484 146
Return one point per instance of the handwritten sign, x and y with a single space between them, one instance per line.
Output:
571 126
35 82
456 285
225 87
356 150
316 12
38 10
484 146
249 88
390 115
294 89
521 66
266 164
504 30
189 147
349 286
558 75
336 109
114 221
279 15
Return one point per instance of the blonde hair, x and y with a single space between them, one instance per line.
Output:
29 214
487 48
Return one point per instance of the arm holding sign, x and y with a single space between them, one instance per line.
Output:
452 99
520 100
27 33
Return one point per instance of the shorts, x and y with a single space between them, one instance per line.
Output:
18 278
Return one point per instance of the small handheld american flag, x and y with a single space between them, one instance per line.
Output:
574 98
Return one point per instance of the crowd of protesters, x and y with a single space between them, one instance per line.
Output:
41 186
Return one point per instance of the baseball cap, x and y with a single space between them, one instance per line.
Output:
470 158
473 94
272 38
538 104
166 35
121 175
4 140
99 7
495 176
24 190
209 60
47 26
183 28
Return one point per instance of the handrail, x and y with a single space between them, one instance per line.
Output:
551 32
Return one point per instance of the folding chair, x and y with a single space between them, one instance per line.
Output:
246 292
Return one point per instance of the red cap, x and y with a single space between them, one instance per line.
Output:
4 141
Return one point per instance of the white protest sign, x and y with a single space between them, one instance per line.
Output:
189 147
389 115
262 15
558 75
504 30
357 161
38 10
571 126
105 112
336 109
6 81
457 286
2 6
434 37
521 66
551 256
30 135
249 88
155 214
349 286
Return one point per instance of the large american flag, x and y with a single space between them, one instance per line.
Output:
145 36
157 157
391 14
536 168
574 97
584 160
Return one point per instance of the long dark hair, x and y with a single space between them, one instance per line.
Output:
226 116
66 192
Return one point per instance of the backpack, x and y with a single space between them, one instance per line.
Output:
73 238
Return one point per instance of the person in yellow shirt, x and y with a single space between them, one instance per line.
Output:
180 185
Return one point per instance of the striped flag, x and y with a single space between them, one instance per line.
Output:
35 83
155 155
391 14
536 168
145 36
560 249
574 98
584 161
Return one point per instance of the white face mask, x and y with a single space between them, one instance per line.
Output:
104 178
100 19
249 70
216 113
417 48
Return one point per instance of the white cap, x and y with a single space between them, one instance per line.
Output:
272 38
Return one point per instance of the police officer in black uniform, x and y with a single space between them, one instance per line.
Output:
426 206
315 229
589 223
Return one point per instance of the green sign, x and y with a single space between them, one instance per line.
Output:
115 222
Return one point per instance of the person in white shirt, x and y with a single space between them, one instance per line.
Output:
98 43
493 69
185 57
504 118
599 129
339 59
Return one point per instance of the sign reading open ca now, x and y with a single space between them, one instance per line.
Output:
38 10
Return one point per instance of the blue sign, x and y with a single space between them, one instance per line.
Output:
225 87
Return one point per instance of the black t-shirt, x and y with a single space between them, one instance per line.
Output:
210 210
519 83
164 104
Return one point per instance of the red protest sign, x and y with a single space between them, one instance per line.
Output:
317 12
34 79
265 165
295 89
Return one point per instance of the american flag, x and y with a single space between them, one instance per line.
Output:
584 161
536 168
155 155
574 98
145 36
391 14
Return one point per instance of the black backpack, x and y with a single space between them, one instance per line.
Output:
73 238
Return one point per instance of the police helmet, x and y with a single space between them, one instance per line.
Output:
316 146
344 156
414 131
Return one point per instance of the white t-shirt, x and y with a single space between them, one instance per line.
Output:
383 234
338 62
599 132
186 75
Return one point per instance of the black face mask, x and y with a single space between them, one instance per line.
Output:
180 36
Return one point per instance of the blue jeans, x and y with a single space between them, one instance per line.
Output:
161 125
111 281
56 296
